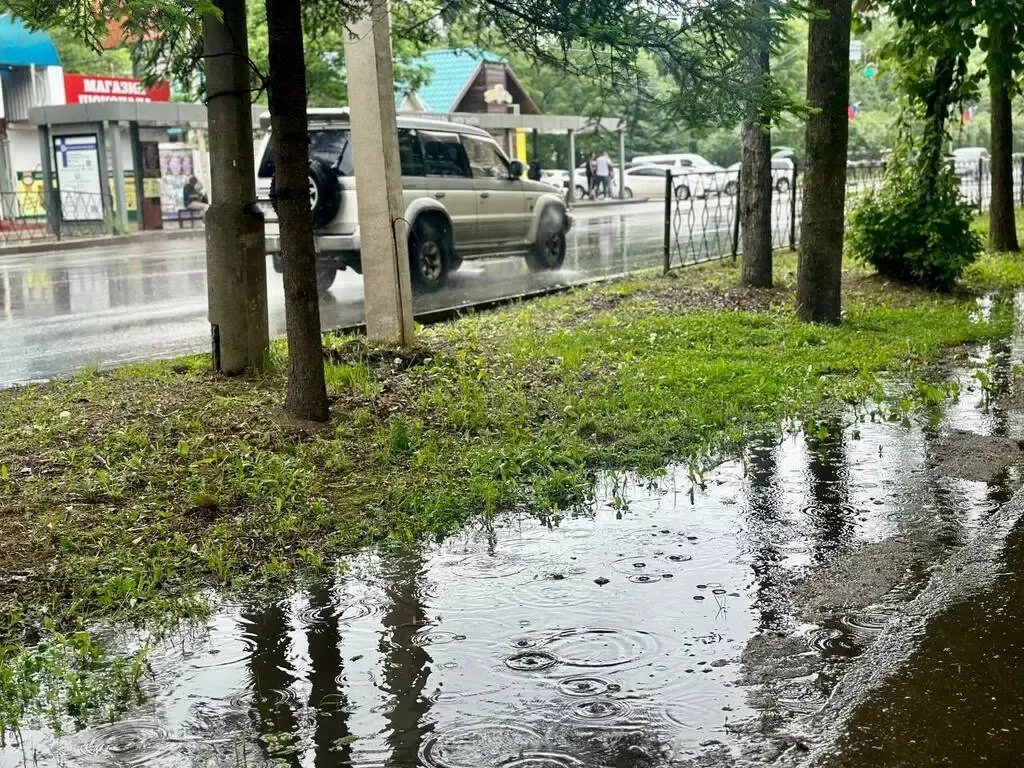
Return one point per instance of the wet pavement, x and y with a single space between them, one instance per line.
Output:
64 311
664 625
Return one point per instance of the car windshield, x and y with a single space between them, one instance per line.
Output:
332 146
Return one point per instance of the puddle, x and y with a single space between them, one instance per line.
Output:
664 624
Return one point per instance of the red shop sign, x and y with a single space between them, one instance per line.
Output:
87 89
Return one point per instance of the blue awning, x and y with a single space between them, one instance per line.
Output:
22 47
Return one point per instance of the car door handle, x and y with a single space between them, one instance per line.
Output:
485 194
439 195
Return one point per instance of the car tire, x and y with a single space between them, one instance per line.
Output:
429 255
324 193
782 186
548 251
731 188
628 193
682 193
325 275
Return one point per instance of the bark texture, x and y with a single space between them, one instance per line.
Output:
236 265
307 390
1002 224
756 190
819 281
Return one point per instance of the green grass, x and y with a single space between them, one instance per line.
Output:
124 494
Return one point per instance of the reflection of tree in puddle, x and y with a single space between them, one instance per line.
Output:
763 498
406 663
831 514
331 737
272 681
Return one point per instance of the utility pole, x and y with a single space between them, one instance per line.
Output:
383 230
236 266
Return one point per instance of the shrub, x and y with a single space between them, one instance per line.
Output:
914 231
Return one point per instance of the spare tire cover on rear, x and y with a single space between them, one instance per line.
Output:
324 193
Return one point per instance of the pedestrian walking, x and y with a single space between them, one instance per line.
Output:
604 168
588 166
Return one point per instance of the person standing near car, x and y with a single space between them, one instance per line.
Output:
589 163
604 167
533 174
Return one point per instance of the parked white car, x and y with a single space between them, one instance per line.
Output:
649 181
463 199
967 159
713 178
782 175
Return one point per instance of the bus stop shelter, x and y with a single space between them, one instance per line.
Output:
110 134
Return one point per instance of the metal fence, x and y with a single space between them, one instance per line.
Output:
706 226
34 215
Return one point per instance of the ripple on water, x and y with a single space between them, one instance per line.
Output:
137 742
549 593
586 686
866 625
801 698
833 643
597 647
542 760
484 565
472 746
530 661
435 636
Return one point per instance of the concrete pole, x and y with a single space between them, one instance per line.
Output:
236 264
622 164
383 232
120 200
140 193
101 154
572 166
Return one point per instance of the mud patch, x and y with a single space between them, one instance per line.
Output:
970 456
854 580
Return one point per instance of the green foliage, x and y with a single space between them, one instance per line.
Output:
913 231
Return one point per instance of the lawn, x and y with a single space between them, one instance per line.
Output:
125 493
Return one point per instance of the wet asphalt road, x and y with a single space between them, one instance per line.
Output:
64 311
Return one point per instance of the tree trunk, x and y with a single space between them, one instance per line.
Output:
236 265
820 274
307 390
756 188
936 114
1002 225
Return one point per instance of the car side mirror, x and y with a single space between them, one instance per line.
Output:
516 169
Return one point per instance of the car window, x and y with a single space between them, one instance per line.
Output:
485 159
444 154
410 153
329 145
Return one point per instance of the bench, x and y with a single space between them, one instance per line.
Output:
189 215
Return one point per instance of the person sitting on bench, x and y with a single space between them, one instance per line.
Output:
195 200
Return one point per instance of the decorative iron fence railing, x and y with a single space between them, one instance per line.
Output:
34 215
706 226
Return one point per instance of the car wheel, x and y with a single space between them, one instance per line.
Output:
429 260
682 192
731 188
629 193
324 193
325 274
782 185
548 252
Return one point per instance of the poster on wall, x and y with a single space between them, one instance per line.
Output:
177 163
78 176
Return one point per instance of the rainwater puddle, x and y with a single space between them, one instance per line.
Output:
660 625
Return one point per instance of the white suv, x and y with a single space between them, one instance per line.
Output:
463 199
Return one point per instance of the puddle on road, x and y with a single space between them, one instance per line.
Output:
499 647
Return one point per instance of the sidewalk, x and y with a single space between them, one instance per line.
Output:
51 244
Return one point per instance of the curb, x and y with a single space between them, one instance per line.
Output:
616 201
99 242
